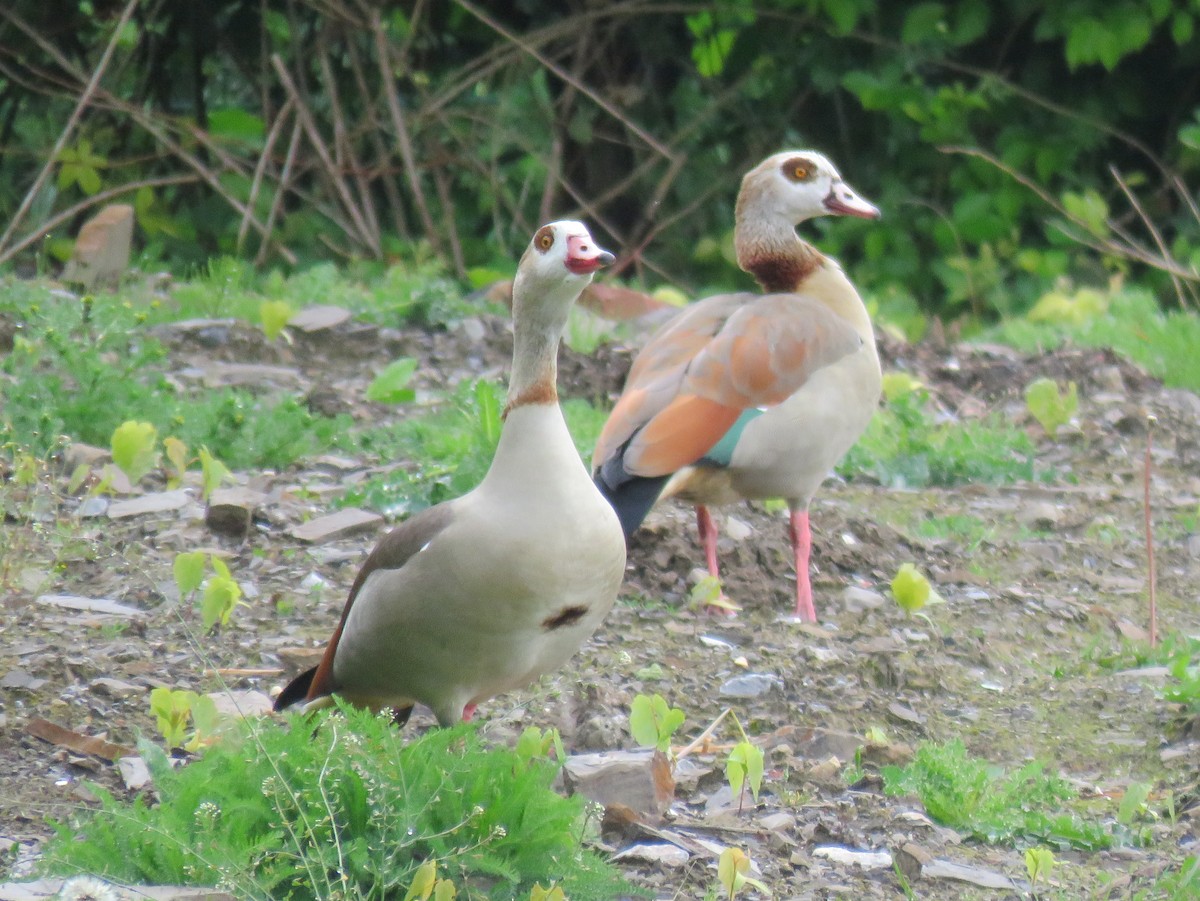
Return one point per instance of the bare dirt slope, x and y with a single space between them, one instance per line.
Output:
1040 582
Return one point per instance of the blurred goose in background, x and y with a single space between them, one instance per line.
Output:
485 593
752 396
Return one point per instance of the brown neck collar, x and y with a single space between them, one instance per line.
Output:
783 269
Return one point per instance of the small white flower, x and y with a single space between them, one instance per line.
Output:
87 888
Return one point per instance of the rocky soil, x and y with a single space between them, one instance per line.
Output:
1049 580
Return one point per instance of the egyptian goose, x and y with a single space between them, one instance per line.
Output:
744 395
484 593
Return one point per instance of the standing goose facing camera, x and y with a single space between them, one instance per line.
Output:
485 593
752 396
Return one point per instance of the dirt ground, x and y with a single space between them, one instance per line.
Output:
1043 585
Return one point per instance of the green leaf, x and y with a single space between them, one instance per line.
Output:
176 452
236 124
925 21
171 709
189 571
134 448
745 765
912 590
487 400
652 722
1183 26
1133 802
274 315
204 722
391 385
423 882
1049 406
899 384
213 472
1038 863
1088 209
221 595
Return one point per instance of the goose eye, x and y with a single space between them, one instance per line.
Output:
800 172
544 240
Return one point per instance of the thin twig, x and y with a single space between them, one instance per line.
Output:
261 168
1151 572
403 139
71 212
1155 234
650 141
335 176
285 177
81 104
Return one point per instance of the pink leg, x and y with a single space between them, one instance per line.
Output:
801 536
707 528
468 712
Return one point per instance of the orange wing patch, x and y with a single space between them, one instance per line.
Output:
716 359
678 436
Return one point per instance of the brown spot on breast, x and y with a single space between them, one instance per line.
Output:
565 617
537 393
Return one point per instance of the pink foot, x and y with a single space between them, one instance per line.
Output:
801 536
468 712
707 528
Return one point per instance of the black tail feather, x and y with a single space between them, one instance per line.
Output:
296 690
631 496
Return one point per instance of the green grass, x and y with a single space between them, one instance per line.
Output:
340 806
904 447
992 805
1133 324
446 452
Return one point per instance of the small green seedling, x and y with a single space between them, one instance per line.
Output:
213 471
899 384
534 744
652 721
554 893
1039 862
135 449
274 315
733 868
177 460
912 590
172 709
708 592
390 386
744 767
221 595
1133 803
1049 406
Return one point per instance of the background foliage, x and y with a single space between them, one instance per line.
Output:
317 129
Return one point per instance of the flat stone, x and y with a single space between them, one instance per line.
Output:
241 704
101 252
134 772
778 822
219 375
18 678
115 687
866 860
230 510
46 889
77 452
750 685
946 869
158 502
641 780
89 605
660 853
341 524
319 318
856 599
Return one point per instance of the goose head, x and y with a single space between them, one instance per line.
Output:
560 261
795 185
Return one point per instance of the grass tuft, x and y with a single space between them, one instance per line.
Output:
989 804
341 807
904 447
